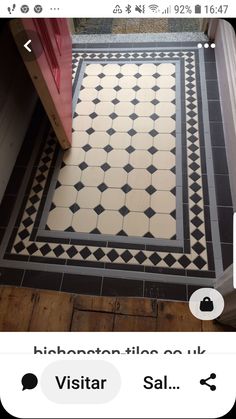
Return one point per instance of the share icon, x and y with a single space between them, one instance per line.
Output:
204 381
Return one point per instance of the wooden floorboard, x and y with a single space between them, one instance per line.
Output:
52 312
26 309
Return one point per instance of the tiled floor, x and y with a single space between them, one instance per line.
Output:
132 208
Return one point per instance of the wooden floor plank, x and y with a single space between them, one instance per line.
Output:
124 323
136 306
92 321
16 305
95 303
176 316
52 312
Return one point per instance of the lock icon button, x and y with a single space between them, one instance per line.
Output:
206 304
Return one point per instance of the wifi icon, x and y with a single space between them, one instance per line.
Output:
154 8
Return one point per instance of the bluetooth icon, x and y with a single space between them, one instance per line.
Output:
128 9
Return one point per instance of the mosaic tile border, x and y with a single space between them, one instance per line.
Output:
130 275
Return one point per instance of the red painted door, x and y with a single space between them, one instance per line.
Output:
50 67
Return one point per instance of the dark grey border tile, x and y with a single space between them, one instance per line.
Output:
81 284
122 287
10 276
42 280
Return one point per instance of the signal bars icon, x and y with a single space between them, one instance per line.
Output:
167 11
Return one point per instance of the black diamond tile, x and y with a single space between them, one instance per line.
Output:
113 115
99 209
133 116
58 251
96 101
155 88
195 198
74 208
152 150
140 257
23 234
72 251
111 131
154 116
83 166
45 249
126 188
130 149
151 169
27 222
195 187
115 101
85 252
90 131
198 248
99 254
119 75
105 167
155 102
102 187
153 133
196 209
98 88
101 75
128 168
19 247
126 256
169 260
124 210
113 255
86 147
132 132
32 248
117 88
137 76
150 190
155 258
93 115
135 101
199 262
78 186
136 88
196 221
184 261
108 148
197 234
149 212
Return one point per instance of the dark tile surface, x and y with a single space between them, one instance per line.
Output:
220 161
6 209
227 254
10 276
191 289
214 111
225 216
217 134
210 71
42 280
212 90
165 291
15 181
223 193
122 287
81 284
2 232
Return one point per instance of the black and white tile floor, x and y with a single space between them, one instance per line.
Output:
136 206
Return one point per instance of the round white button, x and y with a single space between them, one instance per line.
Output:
206 304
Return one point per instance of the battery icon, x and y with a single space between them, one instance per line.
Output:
198 9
